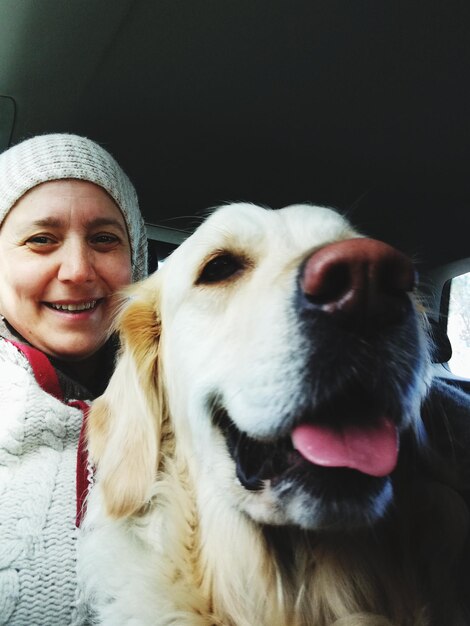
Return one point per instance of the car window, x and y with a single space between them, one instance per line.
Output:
458 325
161 242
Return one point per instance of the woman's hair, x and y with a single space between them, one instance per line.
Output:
57 156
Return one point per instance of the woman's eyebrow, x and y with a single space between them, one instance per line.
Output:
108 221
55 222
52 222
24 228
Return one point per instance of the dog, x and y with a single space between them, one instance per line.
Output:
272 449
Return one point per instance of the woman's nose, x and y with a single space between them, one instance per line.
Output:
76 263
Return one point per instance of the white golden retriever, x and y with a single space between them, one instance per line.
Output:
262 457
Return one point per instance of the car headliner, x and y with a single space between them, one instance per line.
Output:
362 105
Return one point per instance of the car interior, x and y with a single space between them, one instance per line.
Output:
362 106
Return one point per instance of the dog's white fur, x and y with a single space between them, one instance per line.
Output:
171 537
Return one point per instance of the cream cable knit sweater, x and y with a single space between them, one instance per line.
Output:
38 443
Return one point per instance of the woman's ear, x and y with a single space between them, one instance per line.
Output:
124 424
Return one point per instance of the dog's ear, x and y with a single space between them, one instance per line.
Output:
124 425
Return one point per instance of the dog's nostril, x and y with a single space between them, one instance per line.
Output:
359 280
331 285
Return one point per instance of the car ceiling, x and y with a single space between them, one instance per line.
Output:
361 105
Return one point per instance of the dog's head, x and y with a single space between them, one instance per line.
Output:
284 354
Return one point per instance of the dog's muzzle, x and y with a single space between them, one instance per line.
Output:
361 286
363 354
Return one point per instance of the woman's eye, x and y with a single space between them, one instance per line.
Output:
220 268
40 240
105 239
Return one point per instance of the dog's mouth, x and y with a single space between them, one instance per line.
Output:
368 449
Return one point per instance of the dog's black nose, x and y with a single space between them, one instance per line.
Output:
359 281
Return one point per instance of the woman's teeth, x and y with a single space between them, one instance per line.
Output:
74 307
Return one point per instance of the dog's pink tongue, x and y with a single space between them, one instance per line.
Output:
371 450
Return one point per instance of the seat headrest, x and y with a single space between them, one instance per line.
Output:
441 351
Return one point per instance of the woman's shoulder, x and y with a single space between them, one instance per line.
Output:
12 356
31 417
16 382
9 352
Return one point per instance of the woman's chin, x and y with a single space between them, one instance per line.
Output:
76 352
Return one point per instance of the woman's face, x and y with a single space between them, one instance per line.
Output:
64 250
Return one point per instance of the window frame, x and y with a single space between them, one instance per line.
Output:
437 305
168 238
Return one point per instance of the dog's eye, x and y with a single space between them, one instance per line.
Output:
220 268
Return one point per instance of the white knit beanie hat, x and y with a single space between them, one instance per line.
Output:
56 156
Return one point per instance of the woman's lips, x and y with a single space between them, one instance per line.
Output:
74 307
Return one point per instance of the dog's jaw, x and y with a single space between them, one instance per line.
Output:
309 512
277 486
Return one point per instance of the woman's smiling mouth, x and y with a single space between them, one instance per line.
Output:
76 307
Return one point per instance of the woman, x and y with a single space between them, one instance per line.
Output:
71 234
